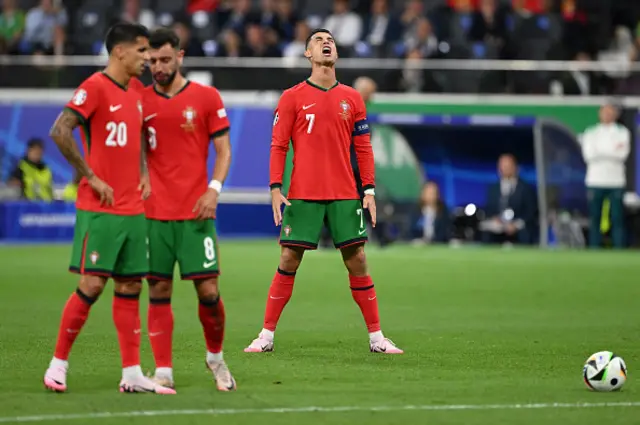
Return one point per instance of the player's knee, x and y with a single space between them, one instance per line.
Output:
92 286
290 259
128 287
355 260
160 289
207 289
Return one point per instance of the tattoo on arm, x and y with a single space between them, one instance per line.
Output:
62 134
144 170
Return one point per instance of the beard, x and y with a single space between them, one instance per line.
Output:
168 80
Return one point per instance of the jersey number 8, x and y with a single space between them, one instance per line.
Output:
117 134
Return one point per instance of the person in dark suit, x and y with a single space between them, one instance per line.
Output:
433 221
511 207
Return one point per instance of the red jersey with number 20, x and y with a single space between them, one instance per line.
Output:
321 124
111 129
180 129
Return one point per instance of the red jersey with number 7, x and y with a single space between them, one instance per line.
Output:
180 129
111 129
321 124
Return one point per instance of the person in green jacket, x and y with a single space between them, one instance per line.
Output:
32 175
11 27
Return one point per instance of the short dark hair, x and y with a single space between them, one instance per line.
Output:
163 36
124 32
35 142
314 32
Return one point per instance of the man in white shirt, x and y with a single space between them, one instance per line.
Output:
605 148
345 25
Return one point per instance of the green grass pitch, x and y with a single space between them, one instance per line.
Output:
487 333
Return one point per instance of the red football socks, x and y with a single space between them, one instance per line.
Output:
212 318
279 295
364 294
126 317
74 316
160 324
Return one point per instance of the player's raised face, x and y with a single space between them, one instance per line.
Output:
164 63
134 55
322 49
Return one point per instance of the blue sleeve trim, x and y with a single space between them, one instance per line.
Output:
361 127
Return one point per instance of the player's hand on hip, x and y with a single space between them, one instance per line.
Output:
369 203
207 204
145 187
277 199
102 189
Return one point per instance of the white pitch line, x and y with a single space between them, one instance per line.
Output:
313 409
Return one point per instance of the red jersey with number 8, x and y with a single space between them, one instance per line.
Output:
111 129
179 130
321 124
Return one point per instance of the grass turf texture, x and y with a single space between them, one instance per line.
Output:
479 327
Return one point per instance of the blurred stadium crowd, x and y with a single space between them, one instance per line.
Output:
583 30
528 29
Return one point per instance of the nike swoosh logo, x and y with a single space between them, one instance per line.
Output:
137 331
72 331
114 108
371 299
362 231
305 107
208 265
155 333
149 117
275 298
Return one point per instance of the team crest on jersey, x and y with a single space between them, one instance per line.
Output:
189 115
287 230
344 107
94 257
79 97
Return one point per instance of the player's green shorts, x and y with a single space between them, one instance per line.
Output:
110 245
302 223
190 243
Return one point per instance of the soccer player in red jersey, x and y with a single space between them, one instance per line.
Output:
110 237
181 119
322 119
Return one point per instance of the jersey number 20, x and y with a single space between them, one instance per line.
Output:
117 134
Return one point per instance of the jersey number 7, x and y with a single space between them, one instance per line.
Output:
311 118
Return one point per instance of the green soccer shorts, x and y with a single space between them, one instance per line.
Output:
110 245
303 220
191 243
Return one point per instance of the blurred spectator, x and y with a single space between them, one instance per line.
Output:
11 27
132 12
231 46
70 192
423 40
191 46
235 17
380 27
489 23
605 149
433 221
296 48
287 19
257 45
413 11
32 175
45 29
511 207
344 24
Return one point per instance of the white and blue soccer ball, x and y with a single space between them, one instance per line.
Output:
605 371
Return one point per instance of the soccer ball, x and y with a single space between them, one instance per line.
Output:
605 371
